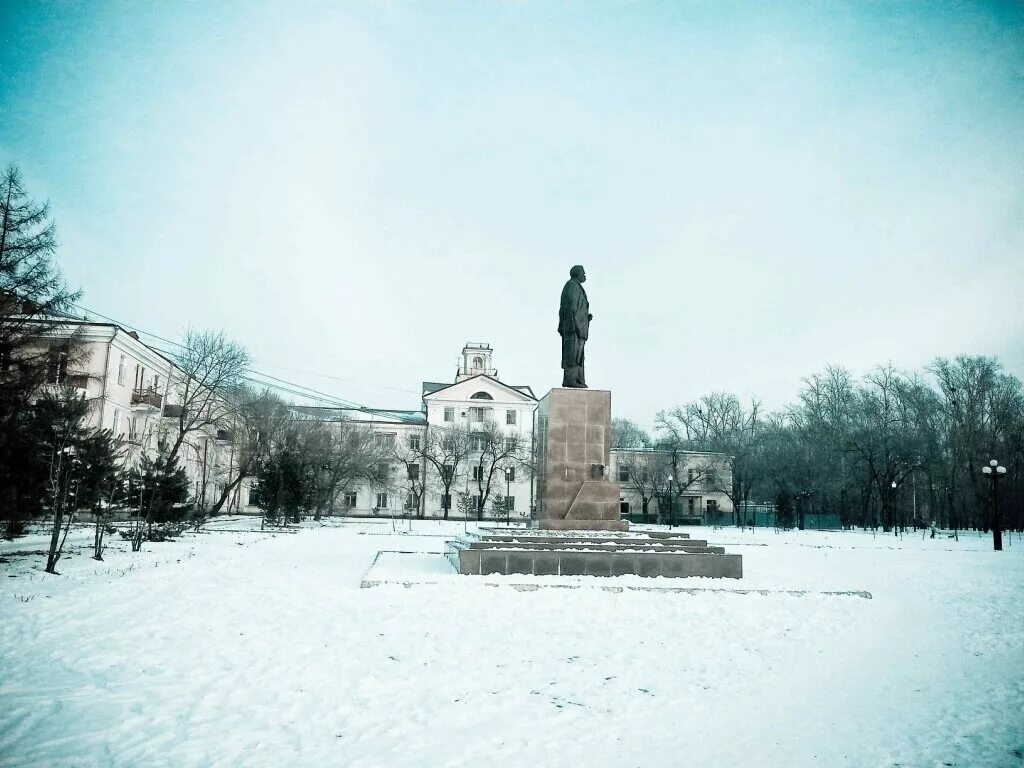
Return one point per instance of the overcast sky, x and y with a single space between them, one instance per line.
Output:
355 190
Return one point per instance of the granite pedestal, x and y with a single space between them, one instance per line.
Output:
580 554
574 491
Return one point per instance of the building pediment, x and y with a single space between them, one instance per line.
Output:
482 388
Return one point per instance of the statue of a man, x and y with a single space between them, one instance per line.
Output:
574 327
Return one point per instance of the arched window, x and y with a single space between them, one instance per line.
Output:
481 396
478 363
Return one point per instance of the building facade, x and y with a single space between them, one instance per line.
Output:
134 390
470 446
698 484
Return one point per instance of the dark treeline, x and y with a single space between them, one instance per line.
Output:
889 450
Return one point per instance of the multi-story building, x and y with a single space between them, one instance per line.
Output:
493 419
696 481
135 391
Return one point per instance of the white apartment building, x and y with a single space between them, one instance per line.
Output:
475 399
697 481
134 391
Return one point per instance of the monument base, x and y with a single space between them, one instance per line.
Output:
584 554
574 491
583 525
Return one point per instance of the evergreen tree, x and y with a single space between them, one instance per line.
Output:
32 298
101 483
161 488
783 510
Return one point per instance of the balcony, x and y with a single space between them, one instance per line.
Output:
146 398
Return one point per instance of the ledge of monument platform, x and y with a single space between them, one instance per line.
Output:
583 525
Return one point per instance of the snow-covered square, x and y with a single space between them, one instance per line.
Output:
233 646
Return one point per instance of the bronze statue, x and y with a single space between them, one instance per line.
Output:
574 327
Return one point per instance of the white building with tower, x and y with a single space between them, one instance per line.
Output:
477 405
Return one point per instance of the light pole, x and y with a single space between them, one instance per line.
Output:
994 471
671 512
895 525
508 490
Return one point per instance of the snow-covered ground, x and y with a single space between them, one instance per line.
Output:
240 647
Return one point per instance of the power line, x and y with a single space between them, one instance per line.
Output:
290 387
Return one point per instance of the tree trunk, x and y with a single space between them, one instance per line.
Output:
54 555
227 492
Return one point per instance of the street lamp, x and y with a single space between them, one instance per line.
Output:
671 511
895 525
508 490
994 471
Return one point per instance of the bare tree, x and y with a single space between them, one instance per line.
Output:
718 423
645 472
628 435
352 454
446 450
492 453
408 453
212 369
256 421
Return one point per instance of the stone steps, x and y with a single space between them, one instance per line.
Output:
540 555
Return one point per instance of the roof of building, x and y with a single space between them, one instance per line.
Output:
52 322
432 386
362 414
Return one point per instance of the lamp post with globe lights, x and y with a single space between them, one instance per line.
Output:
995 471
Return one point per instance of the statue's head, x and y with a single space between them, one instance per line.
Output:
578 274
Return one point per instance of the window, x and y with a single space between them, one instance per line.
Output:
349 500
414 471
385 439
133 428
446 501
711 477
117 423
476 413
447 473
510 444
478 503
478 473
510 503
478 363
382 501
712 506
623 473
689 476
510 474
57 365
410 501
414 442
480 396
383 469
689 505
156 381
120 370
476 443
449 414
510 417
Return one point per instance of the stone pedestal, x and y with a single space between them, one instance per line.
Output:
574 490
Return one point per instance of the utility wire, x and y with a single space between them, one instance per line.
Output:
290 387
